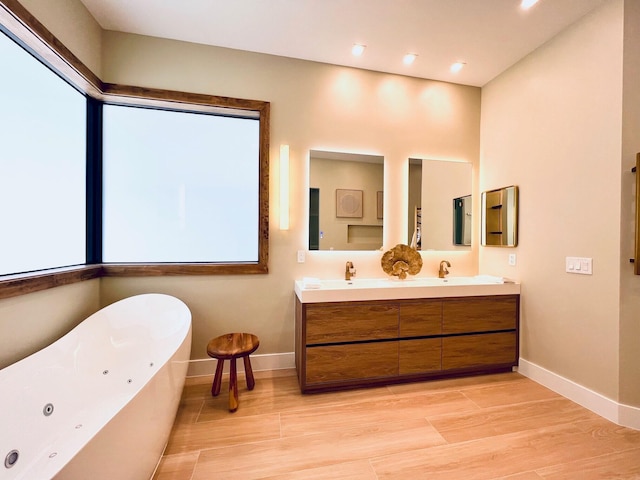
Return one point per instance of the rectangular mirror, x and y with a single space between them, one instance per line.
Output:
345 201
435 186
500 217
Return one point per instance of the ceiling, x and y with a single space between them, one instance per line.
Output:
488 35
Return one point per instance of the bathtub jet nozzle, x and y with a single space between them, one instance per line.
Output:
11 458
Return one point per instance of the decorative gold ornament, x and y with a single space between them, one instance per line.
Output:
401 260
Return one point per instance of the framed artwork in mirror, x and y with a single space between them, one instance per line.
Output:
348 203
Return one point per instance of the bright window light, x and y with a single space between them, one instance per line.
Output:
409 58
179 186
42 166
358 50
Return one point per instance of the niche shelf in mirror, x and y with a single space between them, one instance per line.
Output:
368 236
500 217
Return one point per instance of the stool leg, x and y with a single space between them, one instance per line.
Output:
248 372
217 380
233 386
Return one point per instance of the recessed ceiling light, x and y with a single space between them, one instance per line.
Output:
527 4
409 58
358 49
456 67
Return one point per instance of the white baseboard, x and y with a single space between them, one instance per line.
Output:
618 413
269 361
629 417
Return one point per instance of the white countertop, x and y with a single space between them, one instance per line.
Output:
393 289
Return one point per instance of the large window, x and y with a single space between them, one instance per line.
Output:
179 187
175 183
42 165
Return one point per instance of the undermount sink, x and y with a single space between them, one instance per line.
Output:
359 289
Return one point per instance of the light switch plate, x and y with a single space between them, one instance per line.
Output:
579 265
512 259
300 256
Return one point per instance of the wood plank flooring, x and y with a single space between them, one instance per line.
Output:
488 427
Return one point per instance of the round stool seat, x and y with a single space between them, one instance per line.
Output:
229 347
226 347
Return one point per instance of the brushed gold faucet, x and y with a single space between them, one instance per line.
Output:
443 270
349 271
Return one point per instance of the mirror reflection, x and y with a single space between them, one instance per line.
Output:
345 201
500 217
435 188
462 224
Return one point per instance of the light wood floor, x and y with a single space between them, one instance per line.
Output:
488 427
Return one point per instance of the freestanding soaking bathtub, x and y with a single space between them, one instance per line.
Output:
98 403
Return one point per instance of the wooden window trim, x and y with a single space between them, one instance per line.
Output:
23 283
125 94
26 28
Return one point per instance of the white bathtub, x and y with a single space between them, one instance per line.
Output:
99 403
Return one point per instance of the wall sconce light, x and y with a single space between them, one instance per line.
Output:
284 187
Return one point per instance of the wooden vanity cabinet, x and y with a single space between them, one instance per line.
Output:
480 331
419 356
420 318
351 362
478 314
348 342
353 344
420 345
332 323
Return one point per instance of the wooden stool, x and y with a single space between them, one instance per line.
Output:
230 347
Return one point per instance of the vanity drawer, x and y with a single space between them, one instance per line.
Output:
479 314
479 350
420 356
421 319
336 363
336 323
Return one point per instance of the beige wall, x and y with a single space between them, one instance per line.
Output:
629 283
551 125
313 106
73 25
30 322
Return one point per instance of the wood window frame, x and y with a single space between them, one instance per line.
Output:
39 40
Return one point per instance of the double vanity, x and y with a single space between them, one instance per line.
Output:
360 332
366 332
